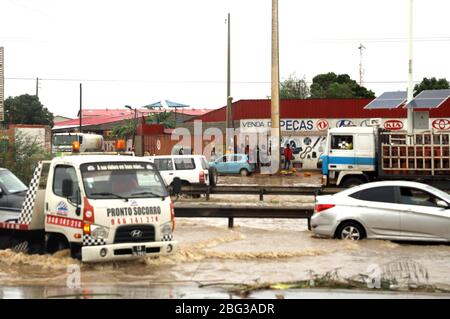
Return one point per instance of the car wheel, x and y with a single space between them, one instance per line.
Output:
243 172
352 181
351 231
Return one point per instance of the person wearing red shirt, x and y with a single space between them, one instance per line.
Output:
287 157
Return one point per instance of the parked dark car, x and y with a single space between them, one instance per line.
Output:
12 190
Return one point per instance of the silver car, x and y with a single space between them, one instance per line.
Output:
396 210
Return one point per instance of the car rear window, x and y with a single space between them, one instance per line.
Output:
385 194
204 163
184 164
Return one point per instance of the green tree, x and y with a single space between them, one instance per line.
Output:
27 109
22 156
164 118
294 88
331 85
431 84
125 130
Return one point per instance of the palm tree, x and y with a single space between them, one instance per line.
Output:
124 130
164 118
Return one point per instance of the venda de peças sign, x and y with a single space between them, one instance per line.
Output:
320 125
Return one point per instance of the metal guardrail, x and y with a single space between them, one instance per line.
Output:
231 211
260 190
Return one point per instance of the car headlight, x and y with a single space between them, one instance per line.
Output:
99 232
166 229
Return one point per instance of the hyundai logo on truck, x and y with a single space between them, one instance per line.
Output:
136 233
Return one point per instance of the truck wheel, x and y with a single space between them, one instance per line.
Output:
243 172
5 242
75 251
56 243
352 181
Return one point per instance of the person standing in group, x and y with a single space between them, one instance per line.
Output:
287 156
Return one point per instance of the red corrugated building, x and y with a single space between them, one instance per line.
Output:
304 123
312 108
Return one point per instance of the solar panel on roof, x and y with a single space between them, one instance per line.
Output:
429 99
387 100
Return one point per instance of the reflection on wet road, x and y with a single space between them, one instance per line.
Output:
263 250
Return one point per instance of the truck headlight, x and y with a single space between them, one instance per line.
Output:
99 232
166 229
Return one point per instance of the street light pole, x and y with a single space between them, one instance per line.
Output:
410 97
135 125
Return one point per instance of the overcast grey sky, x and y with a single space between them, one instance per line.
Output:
137 52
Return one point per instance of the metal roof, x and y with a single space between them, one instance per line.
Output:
312 109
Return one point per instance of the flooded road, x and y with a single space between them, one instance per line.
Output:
211 257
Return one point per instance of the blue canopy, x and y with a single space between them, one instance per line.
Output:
165 103
157 104
175 104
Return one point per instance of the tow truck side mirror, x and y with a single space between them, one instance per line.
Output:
176 186
67 188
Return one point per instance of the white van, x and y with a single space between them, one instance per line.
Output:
190 169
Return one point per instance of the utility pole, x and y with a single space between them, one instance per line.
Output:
410 97
81 108
229 113
37 87
275 100
361 48
2 86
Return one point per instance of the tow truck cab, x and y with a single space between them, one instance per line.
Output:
103 207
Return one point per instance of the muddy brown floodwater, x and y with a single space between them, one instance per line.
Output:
263 250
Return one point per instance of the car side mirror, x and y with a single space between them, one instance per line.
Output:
176 186
67 188
1 192
442 204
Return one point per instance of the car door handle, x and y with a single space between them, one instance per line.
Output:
170 173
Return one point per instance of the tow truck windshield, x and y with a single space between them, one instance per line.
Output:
122 180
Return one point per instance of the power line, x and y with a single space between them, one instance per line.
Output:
380 40
175 81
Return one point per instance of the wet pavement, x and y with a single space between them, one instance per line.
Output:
298 178
211 259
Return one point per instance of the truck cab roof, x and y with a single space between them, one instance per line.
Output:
82 159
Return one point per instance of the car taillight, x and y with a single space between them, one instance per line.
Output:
321 207
172 215
88 216
201 177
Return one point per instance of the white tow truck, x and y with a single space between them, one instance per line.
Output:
101 207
